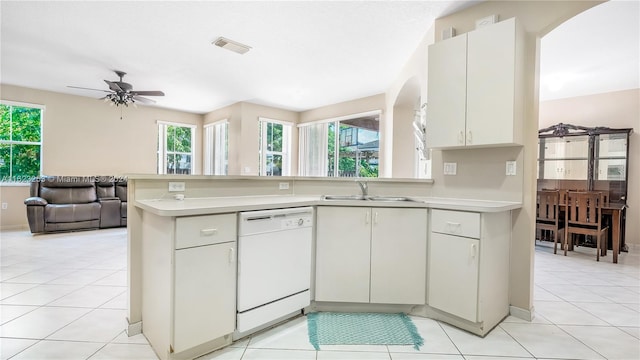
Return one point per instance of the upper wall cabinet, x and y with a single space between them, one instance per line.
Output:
475 83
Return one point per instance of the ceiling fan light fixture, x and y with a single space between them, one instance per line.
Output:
231 45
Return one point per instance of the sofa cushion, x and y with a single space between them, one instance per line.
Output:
121 190
69 195
61 213
123 209
105 188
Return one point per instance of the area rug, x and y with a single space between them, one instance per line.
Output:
331 328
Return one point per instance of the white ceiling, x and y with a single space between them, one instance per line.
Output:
595 52
305 54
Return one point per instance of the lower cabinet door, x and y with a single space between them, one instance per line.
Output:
453 275
398 256
343 246
204 294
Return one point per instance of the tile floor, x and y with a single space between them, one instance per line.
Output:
63 296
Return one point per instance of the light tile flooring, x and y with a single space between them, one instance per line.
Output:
63 296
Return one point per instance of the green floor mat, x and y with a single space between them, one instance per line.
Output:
330 328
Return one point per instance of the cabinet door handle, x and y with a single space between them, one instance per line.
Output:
461 137
473 250
232 255
208 232
469 137
375 218
366 217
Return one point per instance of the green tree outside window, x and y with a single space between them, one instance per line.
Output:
20 142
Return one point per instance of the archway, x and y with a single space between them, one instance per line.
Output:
405 156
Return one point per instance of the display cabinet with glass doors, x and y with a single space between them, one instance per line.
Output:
582 158
578 158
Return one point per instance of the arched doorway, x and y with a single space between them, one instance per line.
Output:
406 160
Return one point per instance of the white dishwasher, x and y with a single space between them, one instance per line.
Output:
274 265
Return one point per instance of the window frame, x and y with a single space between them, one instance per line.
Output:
22 179
286 146
162 146
336 121
216 152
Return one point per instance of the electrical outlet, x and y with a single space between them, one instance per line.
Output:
5 206
450 168
176 186
283 186
511 168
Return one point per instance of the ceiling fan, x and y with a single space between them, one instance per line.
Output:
122 93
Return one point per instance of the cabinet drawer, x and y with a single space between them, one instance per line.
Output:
205 230
460 223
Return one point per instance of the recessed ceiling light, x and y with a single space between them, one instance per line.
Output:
231 45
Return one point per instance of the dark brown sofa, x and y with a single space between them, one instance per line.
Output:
68 203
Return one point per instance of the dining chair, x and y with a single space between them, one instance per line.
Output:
583 216
548 215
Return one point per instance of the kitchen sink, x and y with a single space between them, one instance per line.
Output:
390 198
343 197
366 198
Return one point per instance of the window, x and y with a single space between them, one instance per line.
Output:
275 147
216 148
20 141
175 148
352 147
313 141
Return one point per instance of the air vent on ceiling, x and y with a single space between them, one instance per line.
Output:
231 45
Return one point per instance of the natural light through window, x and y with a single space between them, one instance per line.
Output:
340 148
175 148
216 148
20 141
275 147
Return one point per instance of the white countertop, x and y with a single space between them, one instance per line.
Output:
216 205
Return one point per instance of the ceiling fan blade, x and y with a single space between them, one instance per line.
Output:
143 100
148 93
113 86
84 88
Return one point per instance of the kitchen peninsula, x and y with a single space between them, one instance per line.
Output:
182 253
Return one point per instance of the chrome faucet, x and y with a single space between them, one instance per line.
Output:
364 188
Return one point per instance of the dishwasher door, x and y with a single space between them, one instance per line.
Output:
274 263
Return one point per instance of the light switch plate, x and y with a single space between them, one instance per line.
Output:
176 186
511 168
450 168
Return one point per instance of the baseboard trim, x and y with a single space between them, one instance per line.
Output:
521 313
134 329
14 227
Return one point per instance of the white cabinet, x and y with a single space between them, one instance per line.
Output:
371 255
469 267
398 256
453 275
475 83
343 245
189 283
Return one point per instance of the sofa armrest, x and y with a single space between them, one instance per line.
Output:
35 200
35 213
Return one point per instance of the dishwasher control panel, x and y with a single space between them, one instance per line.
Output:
261 221
296 222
